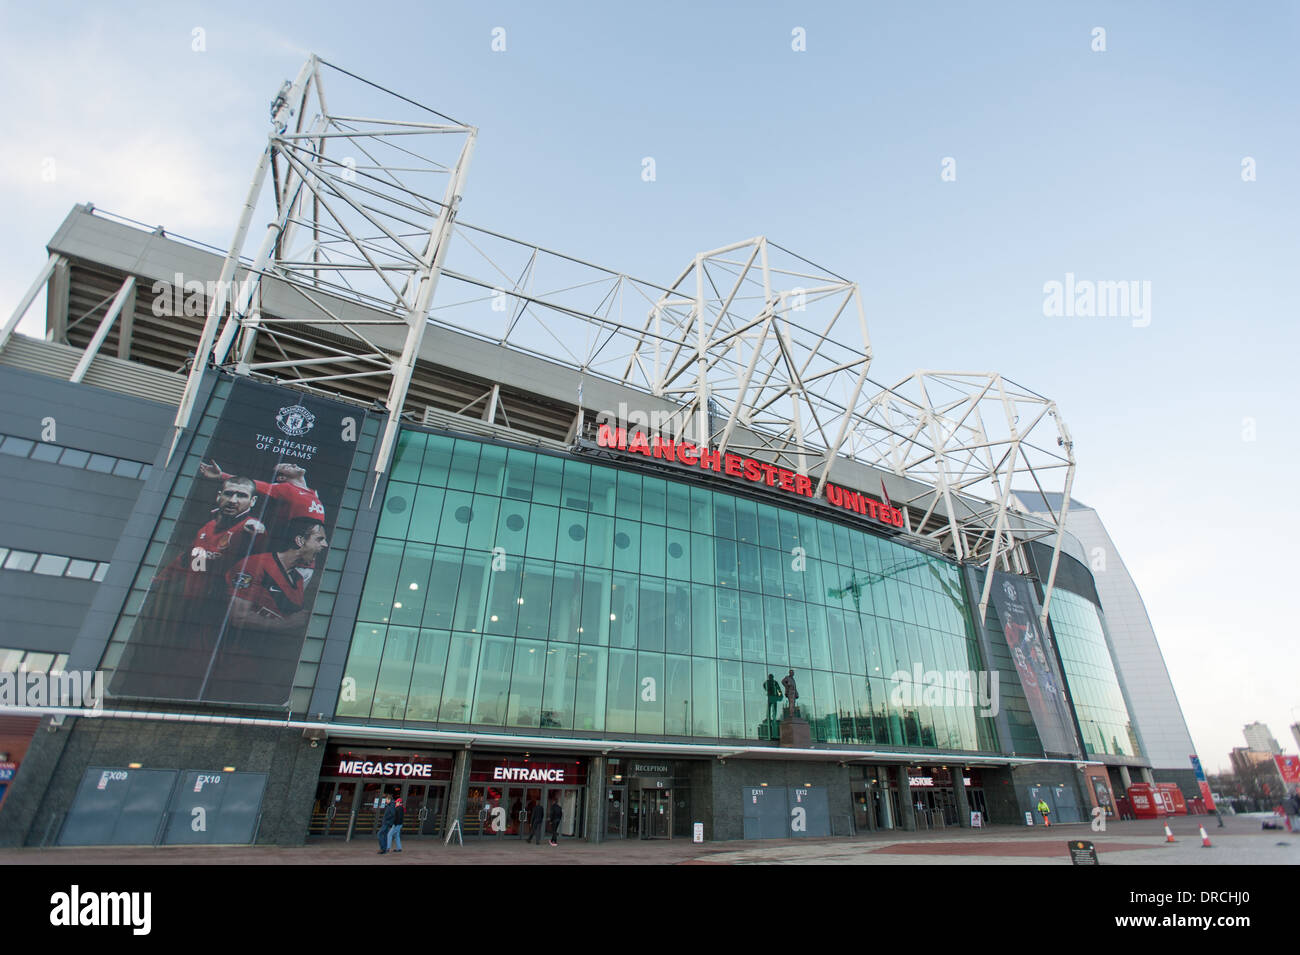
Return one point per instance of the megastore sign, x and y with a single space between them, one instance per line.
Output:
387 770
747 469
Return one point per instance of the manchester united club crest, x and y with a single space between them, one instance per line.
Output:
295 420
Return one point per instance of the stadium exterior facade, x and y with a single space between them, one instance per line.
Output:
679 573
615 656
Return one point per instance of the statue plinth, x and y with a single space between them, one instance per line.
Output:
795 731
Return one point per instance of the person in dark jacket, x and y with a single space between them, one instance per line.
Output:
386 823
395 831
536 816
554 817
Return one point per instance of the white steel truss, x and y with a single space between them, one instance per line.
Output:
967 437
752 336
753 347
363 210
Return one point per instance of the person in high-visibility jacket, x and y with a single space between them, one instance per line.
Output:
1045 811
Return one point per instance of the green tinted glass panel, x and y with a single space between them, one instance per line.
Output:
525 706
491 693
427 676
593 679
651 693
519 475
396 515
622 695
542 527
535 599
444 583
571 538
548 479
560 686
412 585
437 461
577 485
407 457
566 604
362 669
395 668
704 700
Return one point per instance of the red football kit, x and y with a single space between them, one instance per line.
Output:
263 581
216 540
295 501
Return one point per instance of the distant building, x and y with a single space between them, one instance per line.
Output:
1260 739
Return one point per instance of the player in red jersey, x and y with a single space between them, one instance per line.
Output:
294 499
231 535
267 590
289 490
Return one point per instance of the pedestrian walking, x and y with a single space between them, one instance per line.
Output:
395 831
386 823
536 816
554 817
1045 811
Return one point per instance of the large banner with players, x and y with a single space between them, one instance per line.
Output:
226 614
1031 652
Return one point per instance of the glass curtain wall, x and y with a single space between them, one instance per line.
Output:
518 589
1098 701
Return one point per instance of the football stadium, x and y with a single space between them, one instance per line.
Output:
378 503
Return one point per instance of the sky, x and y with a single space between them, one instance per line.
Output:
952 158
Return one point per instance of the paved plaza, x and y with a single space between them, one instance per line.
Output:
1241 842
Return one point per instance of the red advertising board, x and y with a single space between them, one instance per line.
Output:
1146 802
1173 799
1289 767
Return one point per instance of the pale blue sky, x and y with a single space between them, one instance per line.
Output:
1116 165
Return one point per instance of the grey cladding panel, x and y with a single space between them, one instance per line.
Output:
84 416
54 509
42 613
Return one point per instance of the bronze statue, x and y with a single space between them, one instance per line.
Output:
773 696
791 694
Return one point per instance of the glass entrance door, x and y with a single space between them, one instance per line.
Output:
332 809
571 806
424 805
616 812
519 802
656 814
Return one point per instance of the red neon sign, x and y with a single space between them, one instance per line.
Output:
739 466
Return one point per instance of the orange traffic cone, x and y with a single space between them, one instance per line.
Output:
1169 836
1205 839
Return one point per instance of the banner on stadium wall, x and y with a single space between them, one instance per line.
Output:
1031 651
226 614
1099 782
1289 767
1202 783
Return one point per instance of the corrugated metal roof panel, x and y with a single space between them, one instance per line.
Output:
114 374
